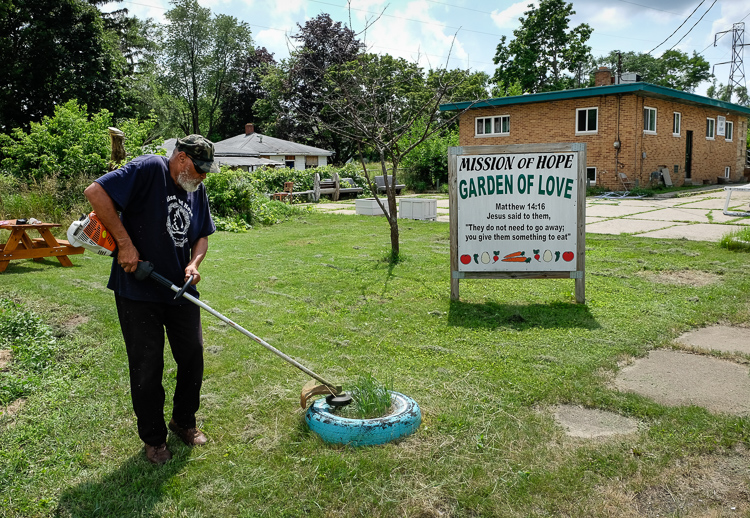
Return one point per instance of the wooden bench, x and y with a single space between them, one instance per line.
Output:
333 187
380 184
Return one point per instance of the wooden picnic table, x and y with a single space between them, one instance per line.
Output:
21 246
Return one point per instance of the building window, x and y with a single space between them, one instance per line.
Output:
493 125
649 120
591 175
586 120
727 172
311 161
676 124
729 131
710 128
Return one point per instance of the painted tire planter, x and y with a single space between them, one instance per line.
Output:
404 420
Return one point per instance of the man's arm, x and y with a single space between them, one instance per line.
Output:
127 255
197 254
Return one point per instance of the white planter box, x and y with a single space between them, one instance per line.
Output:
417 208
369 207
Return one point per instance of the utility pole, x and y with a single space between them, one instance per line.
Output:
737 68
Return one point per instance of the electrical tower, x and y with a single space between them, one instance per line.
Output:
737 68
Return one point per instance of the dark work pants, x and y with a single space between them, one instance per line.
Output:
143 325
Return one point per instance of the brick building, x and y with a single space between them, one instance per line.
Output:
631 128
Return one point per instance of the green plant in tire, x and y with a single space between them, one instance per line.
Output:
371 398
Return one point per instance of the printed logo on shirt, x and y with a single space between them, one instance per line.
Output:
178 221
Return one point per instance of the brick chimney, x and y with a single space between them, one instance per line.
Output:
249 128
603 77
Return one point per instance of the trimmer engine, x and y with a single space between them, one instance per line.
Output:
90 233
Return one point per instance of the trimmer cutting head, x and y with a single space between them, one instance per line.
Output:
339 400
334 396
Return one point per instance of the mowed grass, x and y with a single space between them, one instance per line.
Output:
485 371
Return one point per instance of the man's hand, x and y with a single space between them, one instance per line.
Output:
192 270
127 256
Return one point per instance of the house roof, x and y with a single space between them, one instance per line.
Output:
256 144
249 160
644 89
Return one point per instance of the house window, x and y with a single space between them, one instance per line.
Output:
311 161
591 175
710 128
586 120
289 161
649 120
727 171
729 131
676 124
493 125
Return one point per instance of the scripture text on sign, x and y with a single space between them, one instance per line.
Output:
517 212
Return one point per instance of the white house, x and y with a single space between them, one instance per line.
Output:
251 150
262 147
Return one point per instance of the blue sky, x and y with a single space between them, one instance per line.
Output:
465 33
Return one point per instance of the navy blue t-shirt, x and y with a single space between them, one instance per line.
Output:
163 221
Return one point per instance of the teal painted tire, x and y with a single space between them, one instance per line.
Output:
404 420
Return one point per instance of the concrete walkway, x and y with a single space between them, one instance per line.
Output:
694 215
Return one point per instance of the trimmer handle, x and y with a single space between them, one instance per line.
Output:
145 270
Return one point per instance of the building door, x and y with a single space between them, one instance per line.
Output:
688 154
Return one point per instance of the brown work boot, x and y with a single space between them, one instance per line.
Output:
158 454
190 436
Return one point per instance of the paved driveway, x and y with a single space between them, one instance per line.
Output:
693 215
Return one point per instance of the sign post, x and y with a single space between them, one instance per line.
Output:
518 212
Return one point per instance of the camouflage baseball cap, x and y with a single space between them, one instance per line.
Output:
201 152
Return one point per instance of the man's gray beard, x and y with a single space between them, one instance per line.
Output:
187 183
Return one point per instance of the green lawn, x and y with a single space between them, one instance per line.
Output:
484 370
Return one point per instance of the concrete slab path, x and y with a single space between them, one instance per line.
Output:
694 215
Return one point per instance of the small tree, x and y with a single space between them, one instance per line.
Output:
376 102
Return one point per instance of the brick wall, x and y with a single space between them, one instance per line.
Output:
622 117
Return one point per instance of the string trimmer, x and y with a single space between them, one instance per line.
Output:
89 232
335 395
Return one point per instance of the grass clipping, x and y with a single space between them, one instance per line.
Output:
371 398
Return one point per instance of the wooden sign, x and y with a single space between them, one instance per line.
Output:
517 212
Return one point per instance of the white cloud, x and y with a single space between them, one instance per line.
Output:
508 18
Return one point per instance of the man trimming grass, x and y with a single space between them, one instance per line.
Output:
164 219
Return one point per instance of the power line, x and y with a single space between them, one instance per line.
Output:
693 27
678 28
649 7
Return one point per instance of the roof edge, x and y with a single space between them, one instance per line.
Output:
595 91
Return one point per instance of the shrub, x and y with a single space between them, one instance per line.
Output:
64 145
273 178
43 172
426 166
239 199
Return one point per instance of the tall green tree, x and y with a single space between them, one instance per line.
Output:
673 69
53 51
545 53
738 94
201 55
239 98
299 86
